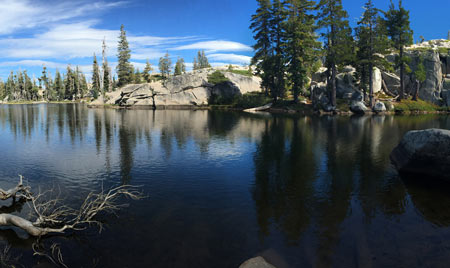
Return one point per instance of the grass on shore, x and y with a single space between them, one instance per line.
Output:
408 106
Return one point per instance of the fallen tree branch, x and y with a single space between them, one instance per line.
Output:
19 191
51 216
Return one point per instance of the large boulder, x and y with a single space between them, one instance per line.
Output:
257 262
319 95
392 82
358 107
320 76
244 83
379 107
376 80
446 97
346 83
425 153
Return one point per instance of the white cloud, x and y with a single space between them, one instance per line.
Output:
216 45
234 58
80 40
26 14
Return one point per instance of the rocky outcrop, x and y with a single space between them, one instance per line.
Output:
346 83
257 262
181 91
424 152
430 89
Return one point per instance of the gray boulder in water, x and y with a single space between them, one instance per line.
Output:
257 262
424 152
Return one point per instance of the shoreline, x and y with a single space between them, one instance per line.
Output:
274 110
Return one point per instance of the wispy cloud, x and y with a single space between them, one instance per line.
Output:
215 45
234 58
79 40
34 33
26 14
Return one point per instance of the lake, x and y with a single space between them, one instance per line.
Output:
222 187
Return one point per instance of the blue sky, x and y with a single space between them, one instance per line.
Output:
55 33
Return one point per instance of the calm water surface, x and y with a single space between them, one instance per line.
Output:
223 187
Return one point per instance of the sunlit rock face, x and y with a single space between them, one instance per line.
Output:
424 152
186 90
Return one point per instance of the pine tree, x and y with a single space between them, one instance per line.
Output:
10 86
372 44
59 86
165 65
45 84
147 72
180 67
124 68
398 29
2 90
302 45
277 62
338 40
137 77
28 86
195 64
95 78
69 84
106 70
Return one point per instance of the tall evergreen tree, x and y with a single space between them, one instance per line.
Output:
277 63
261 29
398 29
180 67
195 64
302 45
202 60
338 40
45 83
95 78
147 72
59 85
165 65
106 70
69 84
372 44
124 68
137 77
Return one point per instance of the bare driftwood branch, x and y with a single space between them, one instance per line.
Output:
53 254
19 191
49 215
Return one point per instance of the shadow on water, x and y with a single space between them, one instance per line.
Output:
226 186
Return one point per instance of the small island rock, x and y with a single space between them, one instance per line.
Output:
424 152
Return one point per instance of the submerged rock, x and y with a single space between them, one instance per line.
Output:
257 262
424 152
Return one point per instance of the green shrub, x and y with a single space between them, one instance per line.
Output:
415 106
250 100
217 77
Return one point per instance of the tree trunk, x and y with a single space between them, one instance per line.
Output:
333 85
416 92
371 98
402 70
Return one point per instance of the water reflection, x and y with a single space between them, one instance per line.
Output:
318 191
